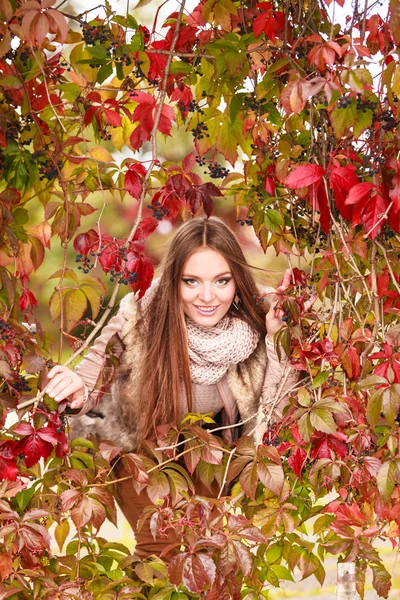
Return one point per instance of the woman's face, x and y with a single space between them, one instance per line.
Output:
207 287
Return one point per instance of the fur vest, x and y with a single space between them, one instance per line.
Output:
118 415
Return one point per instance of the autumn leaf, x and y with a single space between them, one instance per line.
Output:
304 175
134 179
145 113
341 180
324 54
271 22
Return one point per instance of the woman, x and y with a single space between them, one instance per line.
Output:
196 342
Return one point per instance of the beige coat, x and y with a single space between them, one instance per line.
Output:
253 385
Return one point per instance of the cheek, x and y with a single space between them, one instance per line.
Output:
185 294
227 294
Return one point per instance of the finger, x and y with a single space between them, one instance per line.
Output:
66 392
55 370
78 402
58 384
308 304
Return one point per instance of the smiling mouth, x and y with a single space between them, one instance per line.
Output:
206 310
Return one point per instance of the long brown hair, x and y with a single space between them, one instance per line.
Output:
166 361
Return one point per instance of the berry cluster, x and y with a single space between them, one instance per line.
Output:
21 385
389 122
216 170
363 104
159 211
86 261
95 33
250 101
271 438
245 222
199 132
48 169
258 299
195 107
7 333
343 102
200 161
372 164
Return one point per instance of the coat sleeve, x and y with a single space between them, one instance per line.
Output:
279 379
90 367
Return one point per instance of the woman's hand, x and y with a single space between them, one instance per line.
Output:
65 383
273 318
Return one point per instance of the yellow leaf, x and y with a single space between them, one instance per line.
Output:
75 305
101 154
396 81
94 298
55 305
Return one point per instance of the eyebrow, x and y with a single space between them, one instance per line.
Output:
216 277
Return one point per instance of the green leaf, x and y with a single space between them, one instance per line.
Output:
180 67
273 220
282 572
364 120
71 91
344 118
320 379
274 553
98 51
23 498
104 73
235 106
374 407
386 479
305 427
322 419
391 402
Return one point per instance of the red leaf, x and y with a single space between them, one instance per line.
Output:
297 460
134 179
342 179
34 449
269 185
319 200
113 118
304 175
349 359
110 257
359 192
6 565
84 242
24 429
8 466
146 227
144 273
372 215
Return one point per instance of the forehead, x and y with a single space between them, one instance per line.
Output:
206 262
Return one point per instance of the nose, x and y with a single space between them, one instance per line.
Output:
206 293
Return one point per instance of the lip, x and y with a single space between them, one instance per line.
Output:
206 313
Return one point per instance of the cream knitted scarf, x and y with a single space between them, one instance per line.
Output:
212 350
